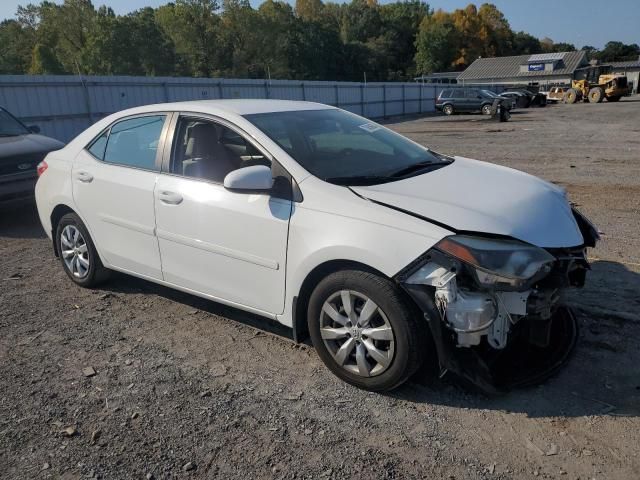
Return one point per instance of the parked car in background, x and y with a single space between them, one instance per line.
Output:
454 100
556 94
21 150
391 253
521 98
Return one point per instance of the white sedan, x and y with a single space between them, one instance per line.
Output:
382 251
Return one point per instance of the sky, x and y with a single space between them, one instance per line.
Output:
581 22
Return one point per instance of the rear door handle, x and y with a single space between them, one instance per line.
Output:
170 198
83 176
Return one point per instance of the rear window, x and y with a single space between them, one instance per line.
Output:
445 94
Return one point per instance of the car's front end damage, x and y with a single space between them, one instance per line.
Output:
495 305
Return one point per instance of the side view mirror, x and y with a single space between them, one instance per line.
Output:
254 178
34 128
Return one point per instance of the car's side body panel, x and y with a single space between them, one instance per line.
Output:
55 188
363 232
228 245
118 204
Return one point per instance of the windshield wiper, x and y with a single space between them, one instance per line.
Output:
359 180
419 167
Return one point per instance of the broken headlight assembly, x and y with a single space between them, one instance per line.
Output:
498 263
482 285
493 306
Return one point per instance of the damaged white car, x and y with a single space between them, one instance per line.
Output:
387 254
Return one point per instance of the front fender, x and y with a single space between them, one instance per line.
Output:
317 238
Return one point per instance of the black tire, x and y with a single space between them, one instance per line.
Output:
486 109
571 96
448 109
96 272
596 95
410 340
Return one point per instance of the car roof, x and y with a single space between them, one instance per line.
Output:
236 106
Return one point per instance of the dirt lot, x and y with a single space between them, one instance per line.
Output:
189 389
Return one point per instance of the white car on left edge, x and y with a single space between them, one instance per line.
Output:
384 252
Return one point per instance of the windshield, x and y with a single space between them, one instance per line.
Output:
10 126
343 148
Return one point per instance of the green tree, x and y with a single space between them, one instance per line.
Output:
276 26
44 61
436 44
193 27
618 52
400 22
564 47
361 21
149 50
309 9
592 52
16 46
495 34
525 44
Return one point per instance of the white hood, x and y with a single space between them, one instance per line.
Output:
475 196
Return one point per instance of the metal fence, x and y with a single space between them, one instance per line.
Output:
62 106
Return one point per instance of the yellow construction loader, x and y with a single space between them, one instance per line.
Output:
594 84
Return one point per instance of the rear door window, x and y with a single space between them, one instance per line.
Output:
132 142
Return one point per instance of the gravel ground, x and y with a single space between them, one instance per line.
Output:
139 381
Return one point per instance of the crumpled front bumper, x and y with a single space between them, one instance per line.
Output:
492 371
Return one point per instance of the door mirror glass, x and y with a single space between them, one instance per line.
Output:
254 178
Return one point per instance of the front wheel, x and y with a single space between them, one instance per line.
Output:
364 330
571 96
486 109
596 95
78 254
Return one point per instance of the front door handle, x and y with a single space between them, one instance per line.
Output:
84 177
170 198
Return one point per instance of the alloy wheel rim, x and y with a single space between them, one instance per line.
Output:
357 333
74 251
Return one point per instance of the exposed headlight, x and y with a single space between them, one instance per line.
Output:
497 262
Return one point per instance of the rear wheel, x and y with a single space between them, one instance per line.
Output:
364 330
571 96
613 99
78 254
596 95
448 109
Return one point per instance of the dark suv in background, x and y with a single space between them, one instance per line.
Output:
452 100
21 149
